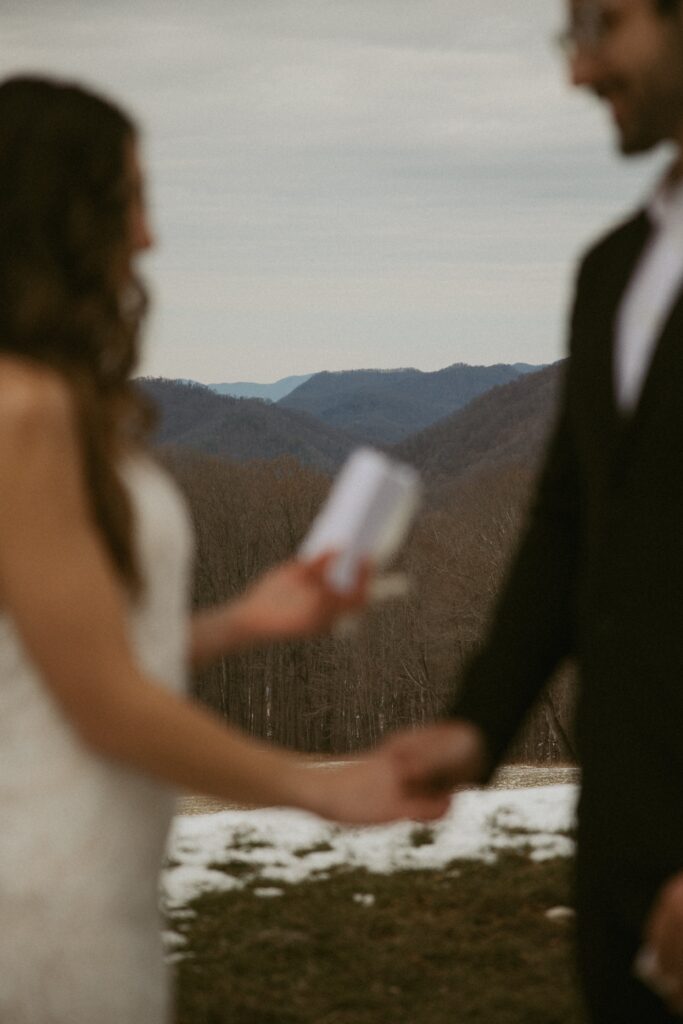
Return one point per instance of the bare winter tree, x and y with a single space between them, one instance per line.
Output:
331 694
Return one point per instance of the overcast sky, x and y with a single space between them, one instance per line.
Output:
346 183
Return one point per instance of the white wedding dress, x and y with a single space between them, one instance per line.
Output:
82 838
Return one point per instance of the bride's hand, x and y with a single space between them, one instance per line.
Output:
295 599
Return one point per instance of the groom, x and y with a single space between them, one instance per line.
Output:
599 573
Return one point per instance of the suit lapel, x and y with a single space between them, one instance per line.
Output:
615 271
662 366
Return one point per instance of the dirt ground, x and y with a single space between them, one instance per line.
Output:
470 944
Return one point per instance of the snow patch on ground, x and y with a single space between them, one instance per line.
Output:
232 849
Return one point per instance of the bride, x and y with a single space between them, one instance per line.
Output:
95 557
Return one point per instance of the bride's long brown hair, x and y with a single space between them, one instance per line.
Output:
64 202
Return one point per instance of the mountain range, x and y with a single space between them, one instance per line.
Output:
506 424
194 416
386 406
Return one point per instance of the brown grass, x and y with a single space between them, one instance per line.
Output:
469 944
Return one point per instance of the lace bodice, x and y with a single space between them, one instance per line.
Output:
81 838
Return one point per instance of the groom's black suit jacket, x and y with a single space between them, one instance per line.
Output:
599 576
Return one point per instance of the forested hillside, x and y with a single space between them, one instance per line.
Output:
386 406
506 426
507 423
255 473
194 416
334 695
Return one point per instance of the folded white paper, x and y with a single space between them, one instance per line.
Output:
368 512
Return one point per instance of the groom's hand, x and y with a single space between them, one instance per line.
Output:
439 758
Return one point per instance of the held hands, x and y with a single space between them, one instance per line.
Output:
365 792
660 962
439 758
411 775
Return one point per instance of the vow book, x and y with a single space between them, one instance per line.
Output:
367 514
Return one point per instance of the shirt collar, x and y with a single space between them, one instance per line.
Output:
665 207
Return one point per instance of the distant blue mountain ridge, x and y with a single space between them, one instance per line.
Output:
269 392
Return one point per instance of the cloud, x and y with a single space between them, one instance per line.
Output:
336 179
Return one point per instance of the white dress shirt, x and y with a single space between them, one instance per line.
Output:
651 293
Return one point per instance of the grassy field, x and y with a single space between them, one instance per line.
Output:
469 944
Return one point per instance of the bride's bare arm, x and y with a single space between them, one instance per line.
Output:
61 591
291 600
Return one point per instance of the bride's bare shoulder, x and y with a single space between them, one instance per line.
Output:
32 395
